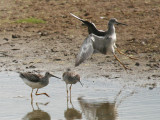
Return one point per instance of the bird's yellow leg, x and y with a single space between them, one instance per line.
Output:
70 92
41 93
126 55
67 90
120 62
32 99
31 95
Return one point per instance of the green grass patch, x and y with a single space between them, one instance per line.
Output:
30 20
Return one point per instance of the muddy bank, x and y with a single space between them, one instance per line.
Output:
53 45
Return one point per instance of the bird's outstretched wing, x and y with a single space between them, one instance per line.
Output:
86 50
84 21
91 27
30 77
77 17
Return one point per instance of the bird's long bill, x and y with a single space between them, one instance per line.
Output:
55 76
118 23
81 83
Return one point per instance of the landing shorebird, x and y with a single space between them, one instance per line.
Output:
92 29
71 77
37 81
102 44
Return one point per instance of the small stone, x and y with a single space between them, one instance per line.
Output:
15 61
86 14
16 36
155 76
43 33
137 64
24 63
65 54
31 66
150 88
116 77
5 39
107 76
57 59
143 43
53 50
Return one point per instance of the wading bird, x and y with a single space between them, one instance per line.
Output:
70 77
37 81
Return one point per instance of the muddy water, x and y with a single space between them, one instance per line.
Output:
98 99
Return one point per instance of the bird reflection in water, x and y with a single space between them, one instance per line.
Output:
105 110
37 114
72 113
98 111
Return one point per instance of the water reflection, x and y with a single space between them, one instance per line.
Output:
72 113
37 114
98 111
106 110
119 99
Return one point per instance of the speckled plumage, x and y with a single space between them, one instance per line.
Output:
36 81
70 77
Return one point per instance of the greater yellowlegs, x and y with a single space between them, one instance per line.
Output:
37 81
102 44
92 29
70 77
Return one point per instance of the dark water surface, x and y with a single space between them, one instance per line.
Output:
99 99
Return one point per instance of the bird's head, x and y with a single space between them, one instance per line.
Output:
50 75
114 21
78 79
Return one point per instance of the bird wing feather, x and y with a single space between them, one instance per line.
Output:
30 77
91 27
77 17
86 50
84 21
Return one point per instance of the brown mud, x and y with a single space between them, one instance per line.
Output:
53 46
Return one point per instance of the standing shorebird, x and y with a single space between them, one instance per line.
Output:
102 44
92 29
37 81
70 77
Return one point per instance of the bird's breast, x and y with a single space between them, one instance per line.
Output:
113 37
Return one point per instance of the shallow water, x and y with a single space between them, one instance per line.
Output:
98 99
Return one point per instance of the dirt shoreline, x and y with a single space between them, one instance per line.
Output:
54 45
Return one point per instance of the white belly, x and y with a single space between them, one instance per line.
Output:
113 38
33 85
112 45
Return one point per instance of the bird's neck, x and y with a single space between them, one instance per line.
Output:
111 29
45 78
